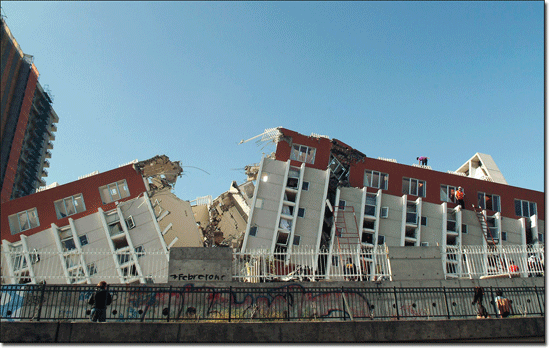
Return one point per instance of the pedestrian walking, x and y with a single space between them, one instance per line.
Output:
100 299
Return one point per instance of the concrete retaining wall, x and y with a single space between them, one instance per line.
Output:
443 331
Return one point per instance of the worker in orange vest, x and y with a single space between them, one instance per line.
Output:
459 194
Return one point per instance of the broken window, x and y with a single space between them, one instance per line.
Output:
302 153
525 208
24 220
114 191
447 193
69 206
488 201
376 179
414 187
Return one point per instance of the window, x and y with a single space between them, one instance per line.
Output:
464 229
83 240
92 269
123 257
342 204
381 239
24 220
370 205
384 212
296 240
305 186
140 251
541 237
414 187
130 224
114 191
376 179
302 153
68 244
488 201
447 193
69 206
301 212
253 231
424 221
525 208
424 243
504 236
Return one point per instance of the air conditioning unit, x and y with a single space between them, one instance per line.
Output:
130 222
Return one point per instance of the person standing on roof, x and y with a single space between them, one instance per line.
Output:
422 160
459 195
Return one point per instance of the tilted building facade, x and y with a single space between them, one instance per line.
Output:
116 226
322 193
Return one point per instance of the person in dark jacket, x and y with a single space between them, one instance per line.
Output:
100 299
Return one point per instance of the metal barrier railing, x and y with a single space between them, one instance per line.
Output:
285 303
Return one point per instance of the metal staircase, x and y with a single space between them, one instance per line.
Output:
484 226
346 237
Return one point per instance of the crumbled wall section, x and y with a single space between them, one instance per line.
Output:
160 171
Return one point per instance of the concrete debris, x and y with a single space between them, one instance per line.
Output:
227 216
160 171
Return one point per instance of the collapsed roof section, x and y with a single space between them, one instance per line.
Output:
160 171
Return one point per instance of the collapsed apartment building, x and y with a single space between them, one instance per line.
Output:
321 193
118 225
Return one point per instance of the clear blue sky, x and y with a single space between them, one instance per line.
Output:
191 79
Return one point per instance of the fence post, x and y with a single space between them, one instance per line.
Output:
395 299
42 300
446 303
169 303
538 299
230 298
288 304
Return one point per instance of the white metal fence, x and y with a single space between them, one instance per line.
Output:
310 264
302 264
479 262
90 266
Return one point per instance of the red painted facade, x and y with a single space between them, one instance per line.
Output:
15 152
396 172
89 188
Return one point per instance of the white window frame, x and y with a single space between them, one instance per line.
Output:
130 223
305 186
114 189
303 212
68 239
16 230
493 197
447 190
63 205
341 204
504 236
302 153
529 203
426 218
381 240
296 241
410 182
253 231
382 179
424 243
384 212
464 226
